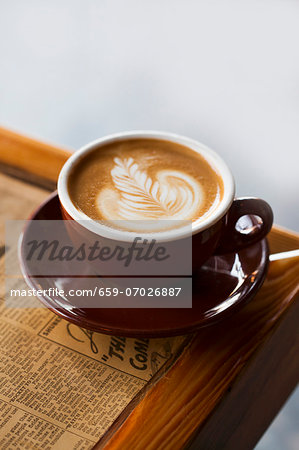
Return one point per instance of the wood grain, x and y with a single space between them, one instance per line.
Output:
267 379
31 157
282 240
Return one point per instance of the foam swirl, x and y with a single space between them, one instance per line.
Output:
135 196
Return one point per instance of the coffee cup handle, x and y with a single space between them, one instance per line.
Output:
234 237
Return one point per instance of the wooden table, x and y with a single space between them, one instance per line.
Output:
230 382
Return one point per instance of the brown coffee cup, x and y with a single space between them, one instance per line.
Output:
219 233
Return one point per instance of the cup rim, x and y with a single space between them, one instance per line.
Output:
100 229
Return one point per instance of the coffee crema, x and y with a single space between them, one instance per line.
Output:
145 179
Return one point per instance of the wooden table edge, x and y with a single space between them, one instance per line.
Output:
234 424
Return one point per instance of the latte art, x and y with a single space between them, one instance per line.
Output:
145 184
135 196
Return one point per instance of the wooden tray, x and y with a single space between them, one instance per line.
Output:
232 379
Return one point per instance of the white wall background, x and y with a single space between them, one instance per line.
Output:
225 72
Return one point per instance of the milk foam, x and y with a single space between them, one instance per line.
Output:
134 195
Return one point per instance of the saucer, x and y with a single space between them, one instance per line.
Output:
221 286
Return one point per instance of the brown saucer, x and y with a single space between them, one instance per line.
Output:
220 286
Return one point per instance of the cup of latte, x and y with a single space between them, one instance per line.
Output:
153 183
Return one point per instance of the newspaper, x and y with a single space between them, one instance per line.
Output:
61 386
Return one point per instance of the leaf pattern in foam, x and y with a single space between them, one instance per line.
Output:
138 192
173 194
